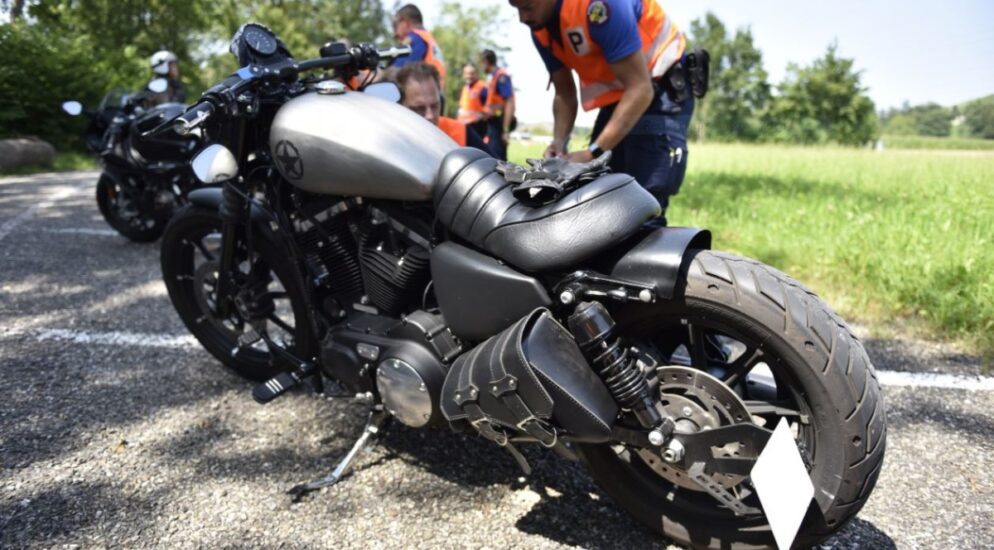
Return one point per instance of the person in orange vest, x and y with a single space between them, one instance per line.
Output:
472 101
627 54
499 104
421 92
409 30
473 98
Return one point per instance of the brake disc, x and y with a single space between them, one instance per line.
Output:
698 401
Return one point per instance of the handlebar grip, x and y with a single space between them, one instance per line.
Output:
325 62
360 56
193 117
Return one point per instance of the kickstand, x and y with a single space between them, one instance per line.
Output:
373 427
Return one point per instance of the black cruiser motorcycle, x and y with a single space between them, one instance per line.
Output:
143 179
353 245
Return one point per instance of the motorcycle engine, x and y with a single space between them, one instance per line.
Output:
403 360
394 261
363 258
370 268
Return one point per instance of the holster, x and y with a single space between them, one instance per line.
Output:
689 76
529 379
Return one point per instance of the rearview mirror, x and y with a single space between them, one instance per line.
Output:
72 108
384 90
158 85
216 163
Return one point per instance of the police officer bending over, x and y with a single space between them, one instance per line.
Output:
627 54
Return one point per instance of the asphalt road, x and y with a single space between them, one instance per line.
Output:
116 429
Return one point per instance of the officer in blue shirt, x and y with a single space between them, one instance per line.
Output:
626 54
408 29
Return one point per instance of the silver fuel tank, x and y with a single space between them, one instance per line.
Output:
354 144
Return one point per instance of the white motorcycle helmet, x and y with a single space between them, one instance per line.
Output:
160 61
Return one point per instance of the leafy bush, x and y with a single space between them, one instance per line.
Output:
40 70
979 117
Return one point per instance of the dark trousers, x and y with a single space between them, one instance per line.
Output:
655 151
495 135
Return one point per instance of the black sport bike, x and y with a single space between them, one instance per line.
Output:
354 246
144 178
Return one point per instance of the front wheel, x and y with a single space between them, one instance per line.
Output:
785 355
265 279
126 213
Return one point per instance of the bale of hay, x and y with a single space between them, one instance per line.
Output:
25 152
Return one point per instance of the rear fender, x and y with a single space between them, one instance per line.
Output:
659 257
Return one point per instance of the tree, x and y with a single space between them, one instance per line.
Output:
40 70
462 32
79 49
14 7
739 91
303 25
930 119
823 102
979 117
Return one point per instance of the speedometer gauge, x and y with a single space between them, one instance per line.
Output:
259 40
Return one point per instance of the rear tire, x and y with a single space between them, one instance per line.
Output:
182 245
143 227
814 352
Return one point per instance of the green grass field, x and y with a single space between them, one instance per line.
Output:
895 238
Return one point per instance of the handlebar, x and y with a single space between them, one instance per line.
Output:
193 117
362 56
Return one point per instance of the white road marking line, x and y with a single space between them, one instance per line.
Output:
186 341
115 338
935 380
85 231
25 215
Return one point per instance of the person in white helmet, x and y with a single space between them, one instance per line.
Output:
164 65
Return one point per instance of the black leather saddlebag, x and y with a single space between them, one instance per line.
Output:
529 379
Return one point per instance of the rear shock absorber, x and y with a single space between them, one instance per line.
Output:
593 328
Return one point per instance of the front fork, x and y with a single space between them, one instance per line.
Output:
234 214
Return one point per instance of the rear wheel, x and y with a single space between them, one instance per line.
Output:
126 213
191 250
784 354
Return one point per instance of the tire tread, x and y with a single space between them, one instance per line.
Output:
847 371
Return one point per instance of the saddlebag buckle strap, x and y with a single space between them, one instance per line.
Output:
466 394
505 390
540 430
490 431
507 384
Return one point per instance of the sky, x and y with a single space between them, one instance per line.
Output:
913 50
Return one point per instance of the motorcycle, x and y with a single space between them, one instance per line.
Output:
143 179
353 246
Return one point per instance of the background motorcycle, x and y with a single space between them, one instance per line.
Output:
352 241
143 179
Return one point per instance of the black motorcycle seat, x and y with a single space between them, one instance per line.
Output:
474 201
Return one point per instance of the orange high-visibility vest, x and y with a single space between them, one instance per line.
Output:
455 129
471 107
434 54
495 103
662 43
